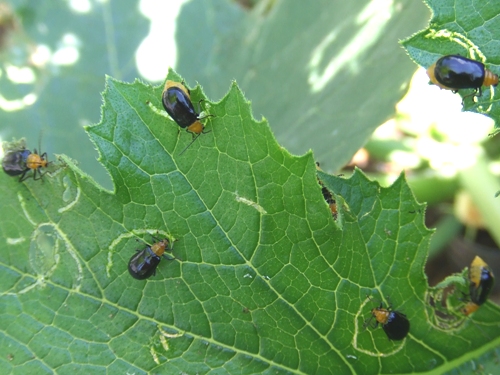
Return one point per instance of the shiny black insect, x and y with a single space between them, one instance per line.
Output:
327 195
394 323
143 263
454 72
481 280
21 161
176 100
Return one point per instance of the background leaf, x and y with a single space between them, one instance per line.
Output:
325 73
67 51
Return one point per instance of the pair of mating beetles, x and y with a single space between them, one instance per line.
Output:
396 325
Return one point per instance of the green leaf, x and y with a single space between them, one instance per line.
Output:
465 28
264 280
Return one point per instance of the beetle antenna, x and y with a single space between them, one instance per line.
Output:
194 139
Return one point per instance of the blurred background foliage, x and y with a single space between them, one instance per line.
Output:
326 74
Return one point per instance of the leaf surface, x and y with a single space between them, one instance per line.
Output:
264 280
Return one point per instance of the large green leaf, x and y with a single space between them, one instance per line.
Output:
264 280
465 27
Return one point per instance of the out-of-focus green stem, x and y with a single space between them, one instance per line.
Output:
381 149
479 182
429 188
446 229
433 188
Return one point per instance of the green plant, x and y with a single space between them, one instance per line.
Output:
264 281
